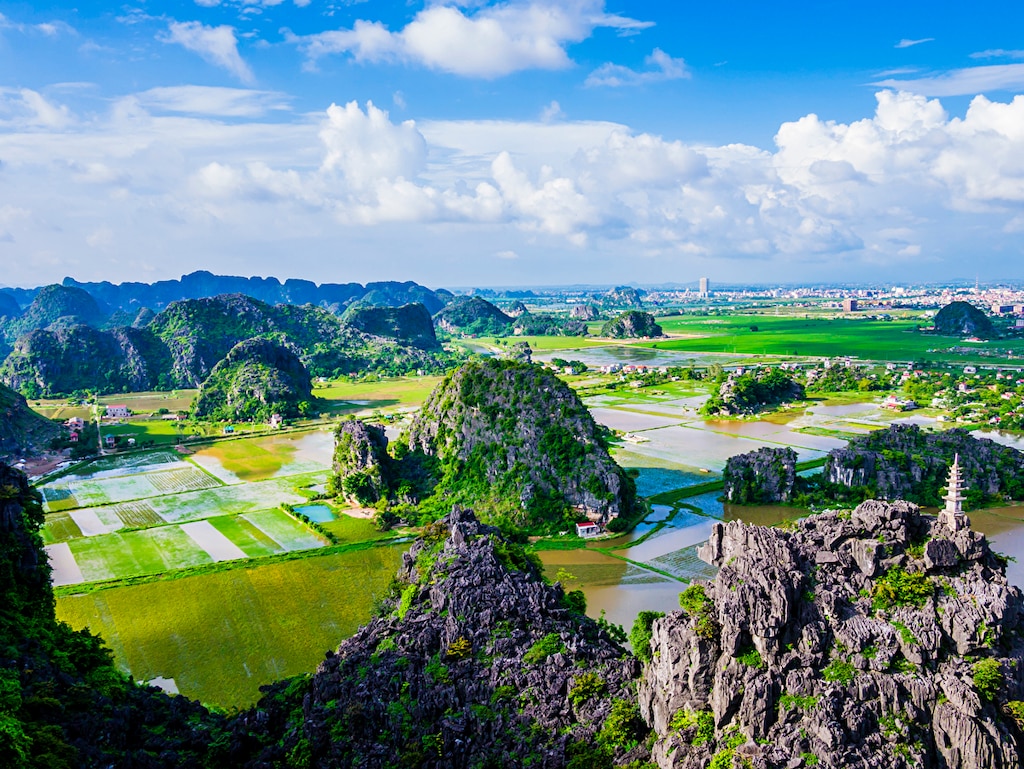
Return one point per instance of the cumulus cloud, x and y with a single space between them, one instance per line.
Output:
216 45
487 42
660 66
902 186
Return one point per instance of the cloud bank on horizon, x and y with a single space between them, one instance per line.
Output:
494 143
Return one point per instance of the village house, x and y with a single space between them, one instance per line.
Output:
276 420
75 423
109 441
119 411
587 529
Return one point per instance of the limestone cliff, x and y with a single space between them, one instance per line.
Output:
472 661
257 379
632 324
517 443
872 639
762 477
963 319
22 431
906 462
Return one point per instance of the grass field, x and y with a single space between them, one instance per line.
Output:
151 402
868 340
220 636
386 394
160 431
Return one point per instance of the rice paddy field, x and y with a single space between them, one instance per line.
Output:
390 394
788 335
218 637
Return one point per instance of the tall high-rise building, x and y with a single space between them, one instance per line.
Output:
705 287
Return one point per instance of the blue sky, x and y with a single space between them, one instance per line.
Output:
525 142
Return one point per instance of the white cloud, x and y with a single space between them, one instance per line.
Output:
903 186
962 82
908 43
552 112
25 108
660 65
46 28
207 100
366 146
489 42
998 53
508 254
217 45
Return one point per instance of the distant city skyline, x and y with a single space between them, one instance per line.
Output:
528 142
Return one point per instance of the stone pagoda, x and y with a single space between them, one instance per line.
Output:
952 515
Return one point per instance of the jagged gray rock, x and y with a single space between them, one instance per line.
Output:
850 641
761 477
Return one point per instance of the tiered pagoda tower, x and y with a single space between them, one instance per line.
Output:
952 515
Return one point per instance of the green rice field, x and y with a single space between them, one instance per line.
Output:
789 335
220 636
397 392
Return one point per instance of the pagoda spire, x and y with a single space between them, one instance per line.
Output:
952 515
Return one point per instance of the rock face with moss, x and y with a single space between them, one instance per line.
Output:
632 324
517 443
905 462
180 346
361 464
474 316
873 639
22 431
762 477
410 323
471 661
63 702
55 307
257 378
963 319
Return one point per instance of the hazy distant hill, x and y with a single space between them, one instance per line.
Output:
202 284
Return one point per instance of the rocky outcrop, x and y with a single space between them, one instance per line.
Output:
906 462
632 324
963 319
518 444
520 352
623 296
516 309
751 392
541 324
45 363
361 463
180 346
58 307
474 316
22 431
257 379
584 312
762 477
410 323
872 639
472 661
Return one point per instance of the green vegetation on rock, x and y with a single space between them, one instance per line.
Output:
257 379
632 324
